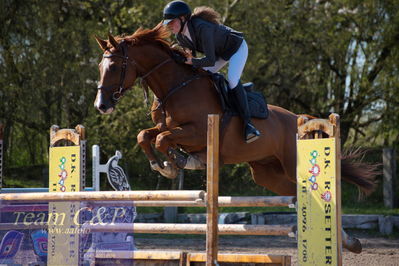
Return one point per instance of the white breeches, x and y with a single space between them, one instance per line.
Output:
236 65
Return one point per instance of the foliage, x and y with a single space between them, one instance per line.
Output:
312 57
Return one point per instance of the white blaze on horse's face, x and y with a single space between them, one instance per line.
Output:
105 64
99 102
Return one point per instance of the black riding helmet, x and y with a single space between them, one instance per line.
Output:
175 9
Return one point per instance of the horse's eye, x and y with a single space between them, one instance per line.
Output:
113 68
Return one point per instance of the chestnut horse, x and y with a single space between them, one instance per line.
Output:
184 96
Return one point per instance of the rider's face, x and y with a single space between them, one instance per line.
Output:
174 26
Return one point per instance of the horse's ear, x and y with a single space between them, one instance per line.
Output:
101 43
162 30
158 26
112 41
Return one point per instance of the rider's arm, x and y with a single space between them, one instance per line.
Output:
206 34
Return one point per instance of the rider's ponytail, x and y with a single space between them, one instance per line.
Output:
207 13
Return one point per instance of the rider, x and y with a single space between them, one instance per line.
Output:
220 44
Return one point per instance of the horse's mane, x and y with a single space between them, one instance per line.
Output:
158 35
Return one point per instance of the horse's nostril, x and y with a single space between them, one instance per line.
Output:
102 107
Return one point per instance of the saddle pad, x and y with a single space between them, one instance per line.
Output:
257 105
256 101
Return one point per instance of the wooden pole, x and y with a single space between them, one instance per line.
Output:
163 228
225 201
212 190
243 259
106 195
188 258
335 120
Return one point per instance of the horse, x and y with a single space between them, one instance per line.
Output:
184 96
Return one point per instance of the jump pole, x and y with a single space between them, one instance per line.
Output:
168 228
106 196
227 201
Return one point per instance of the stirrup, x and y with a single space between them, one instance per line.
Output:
252 135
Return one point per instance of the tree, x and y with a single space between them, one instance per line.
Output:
318 57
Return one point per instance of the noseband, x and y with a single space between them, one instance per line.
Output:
125 60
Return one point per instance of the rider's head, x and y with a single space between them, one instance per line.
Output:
175 14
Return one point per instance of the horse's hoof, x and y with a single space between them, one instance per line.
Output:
194 163
167 171
155 166
354 245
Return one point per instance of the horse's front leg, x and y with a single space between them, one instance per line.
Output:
187 136
144 139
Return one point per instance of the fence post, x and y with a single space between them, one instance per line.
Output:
389 162
212 189
319 191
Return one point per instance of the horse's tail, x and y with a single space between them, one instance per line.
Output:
359 173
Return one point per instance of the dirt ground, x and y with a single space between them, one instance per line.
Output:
377 251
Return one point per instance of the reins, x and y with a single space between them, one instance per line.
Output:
162 103
121 89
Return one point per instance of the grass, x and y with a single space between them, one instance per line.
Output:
370 209
21 183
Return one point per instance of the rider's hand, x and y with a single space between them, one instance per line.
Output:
189 57
189 60
188 52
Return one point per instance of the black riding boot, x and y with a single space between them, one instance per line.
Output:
250 132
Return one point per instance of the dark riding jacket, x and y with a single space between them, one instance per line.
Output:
213 40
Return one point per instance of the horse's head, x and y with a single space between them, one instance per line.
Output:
117 74
125 59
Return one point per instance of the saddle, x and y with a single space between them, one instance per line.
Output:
256 101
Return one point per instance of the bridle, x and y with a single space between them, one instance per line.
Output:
121 88
125 60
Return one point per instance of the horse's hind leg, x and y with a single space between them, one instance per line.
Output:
350 243
271 176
